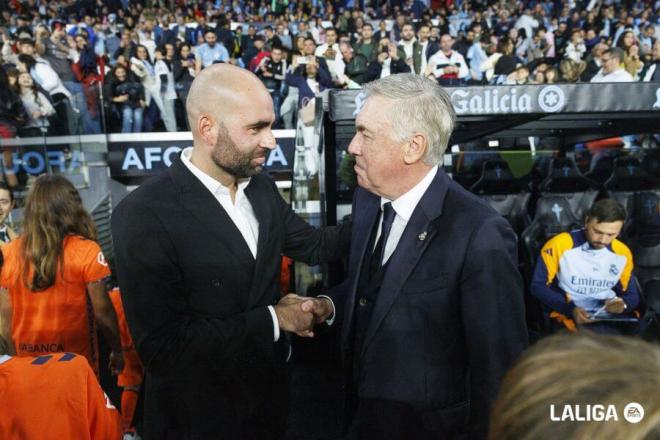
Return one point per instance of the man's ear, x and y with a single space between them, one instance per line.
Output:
415 149
205 128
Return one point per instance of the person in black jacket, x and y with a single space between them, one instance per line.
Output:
198 252
127 97
390 60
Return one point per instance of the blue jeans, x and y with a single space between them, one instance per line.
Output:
131 119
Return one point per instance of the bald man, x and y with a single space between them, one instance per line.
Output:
198 252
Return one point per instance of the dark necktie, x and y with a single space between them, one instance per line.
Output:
388 219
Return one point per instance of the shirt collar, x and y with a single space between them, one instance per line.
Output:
209 182
405 204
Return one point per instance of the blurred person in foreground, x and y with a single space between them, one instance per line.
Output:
58 390
593 377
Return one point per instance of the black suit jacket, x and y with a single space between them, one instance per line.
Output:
196 303
449 319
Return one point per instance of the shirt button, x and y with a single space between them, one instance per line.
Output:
363 302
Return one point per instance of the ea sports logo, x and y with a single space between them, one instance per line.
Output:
633 412
551 99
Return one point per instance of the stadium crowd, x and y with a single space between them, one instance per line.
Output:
120 65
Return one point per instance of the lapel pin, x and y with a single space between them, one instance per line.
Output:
422 236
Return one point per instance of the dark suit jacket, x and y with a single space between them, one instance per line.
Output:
196 303
449 319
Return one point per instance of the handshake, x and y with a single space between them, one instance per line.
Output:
299 314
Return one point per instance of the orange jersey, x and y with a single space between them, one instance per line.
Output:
59 318
54 396
133 371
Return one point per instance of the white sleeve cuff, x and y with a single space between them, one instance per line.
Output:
331 319
276 324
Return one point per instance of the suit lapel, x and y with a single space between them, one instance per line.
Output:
261 203
206 209
418 234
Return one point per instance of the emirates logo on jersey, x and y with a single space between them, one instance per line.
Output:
101 259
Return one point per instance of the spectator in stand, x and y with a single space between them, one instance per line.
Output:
390 61
576 48
652 71
612 70
272 72
447 66
260 47
356 67
37 107
7 204
272 40
210 52
476 58
127 97
594 62
423 48
88 72
12 116
163 70
330 52
571 70
367 46
184 73
283 34
127 47
631 59
406 43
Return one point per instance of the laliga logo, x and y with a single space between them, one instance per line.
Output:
551 99
359 102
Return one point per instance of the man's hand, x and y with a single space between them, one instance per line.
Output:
615 305
580 316
293 318
315 311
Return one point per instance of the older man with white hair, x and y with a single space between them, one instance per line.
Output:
432 310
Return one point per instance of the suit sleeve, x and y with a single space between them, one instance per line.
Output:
168 336
312 245
493 313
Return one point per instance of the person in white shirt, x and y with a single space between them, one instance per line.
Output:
164 73
407 42
331 53
576 49
447 66
612 70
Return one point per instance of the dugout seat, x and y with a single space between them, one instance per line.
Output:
504 193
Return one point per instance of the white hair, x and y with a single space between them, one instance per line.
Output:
421 106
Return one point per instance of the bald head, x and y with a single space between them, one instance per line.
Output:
219 90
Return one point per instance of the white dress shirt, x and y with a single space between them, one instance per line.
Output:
403 206
239 211
619 75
